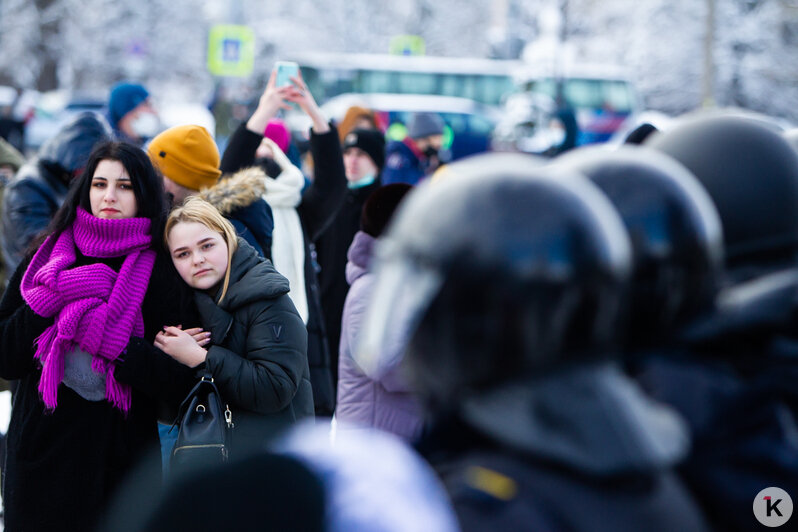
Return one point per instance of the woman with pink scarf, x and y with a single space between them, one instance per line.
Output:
76 329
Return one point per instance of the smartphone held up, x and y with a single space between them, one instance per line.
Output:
285 71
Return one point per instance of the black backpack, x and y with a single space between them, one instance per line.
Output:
205 428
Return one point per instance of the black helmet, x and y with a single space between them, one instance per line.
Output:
751 174
675 231
500 270
791 136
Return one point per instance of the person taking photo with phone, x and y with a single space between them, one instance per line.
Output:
300 213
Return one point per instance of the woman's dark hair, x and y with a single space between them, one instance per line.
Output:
147 187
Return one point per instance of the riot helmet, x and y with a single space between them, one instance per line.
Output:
791 136
751 174
674 229
502 270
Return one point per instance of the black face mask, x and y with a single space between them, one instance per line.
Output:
431 152
268 165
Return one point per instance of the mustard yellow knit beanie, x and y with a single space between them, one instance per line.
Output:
187 155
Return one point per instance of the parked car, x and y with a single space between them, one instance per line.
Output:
469 123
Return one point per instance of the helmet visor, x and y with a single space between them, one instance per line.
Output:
402 292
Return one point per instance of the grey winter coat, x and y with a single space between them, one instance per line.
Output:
259 354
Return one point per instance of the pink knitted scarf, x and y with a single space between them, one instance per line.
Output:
95 307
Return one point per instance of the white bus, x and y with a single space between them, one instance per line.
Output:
482 80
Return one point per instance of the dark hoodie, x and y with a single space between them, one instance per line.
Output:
41 185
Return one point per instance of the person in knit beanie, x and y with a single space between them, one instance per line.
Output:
188 159
359 143
419 154
357 117
364 156
10 161
301 210
131 114
277 132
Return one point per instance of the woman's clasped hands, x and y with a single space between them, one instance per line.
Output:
185 346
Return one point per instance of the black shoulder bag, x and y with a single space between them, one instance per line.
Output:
205 427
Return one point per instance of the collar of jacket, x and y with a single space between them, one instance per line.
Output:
588 418
236 191
252 278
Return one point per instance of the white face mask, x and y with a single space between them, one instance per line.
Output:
146 125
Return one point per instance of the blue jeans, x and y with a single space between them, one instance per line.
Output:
168 440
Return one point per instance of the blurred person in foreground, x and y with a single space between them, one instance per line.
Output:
383 402
735 381
364 155
131 114
419 154
511 282
40 186
301 213
364 482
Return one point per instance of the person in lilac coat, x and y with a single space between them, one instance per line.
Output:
370 400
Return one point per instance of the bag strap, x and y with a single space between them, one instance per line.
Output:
206 378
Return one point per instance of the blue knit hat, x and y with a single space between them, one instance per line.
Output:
124 98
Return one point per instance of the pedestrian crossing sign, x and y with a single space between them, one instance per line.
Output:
231 50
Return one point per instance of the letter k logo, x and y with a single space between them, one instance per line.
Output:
772 507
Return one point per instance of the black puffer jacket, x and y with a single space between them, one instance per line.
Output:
259 353
320 202
40 187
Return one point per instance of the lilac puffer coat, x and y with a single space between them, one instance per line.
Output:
383 402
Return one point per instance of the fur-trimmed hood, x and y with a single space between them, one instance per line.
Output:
239 197
236 191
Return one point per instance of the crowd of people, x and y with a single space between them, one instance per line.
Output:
603 339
